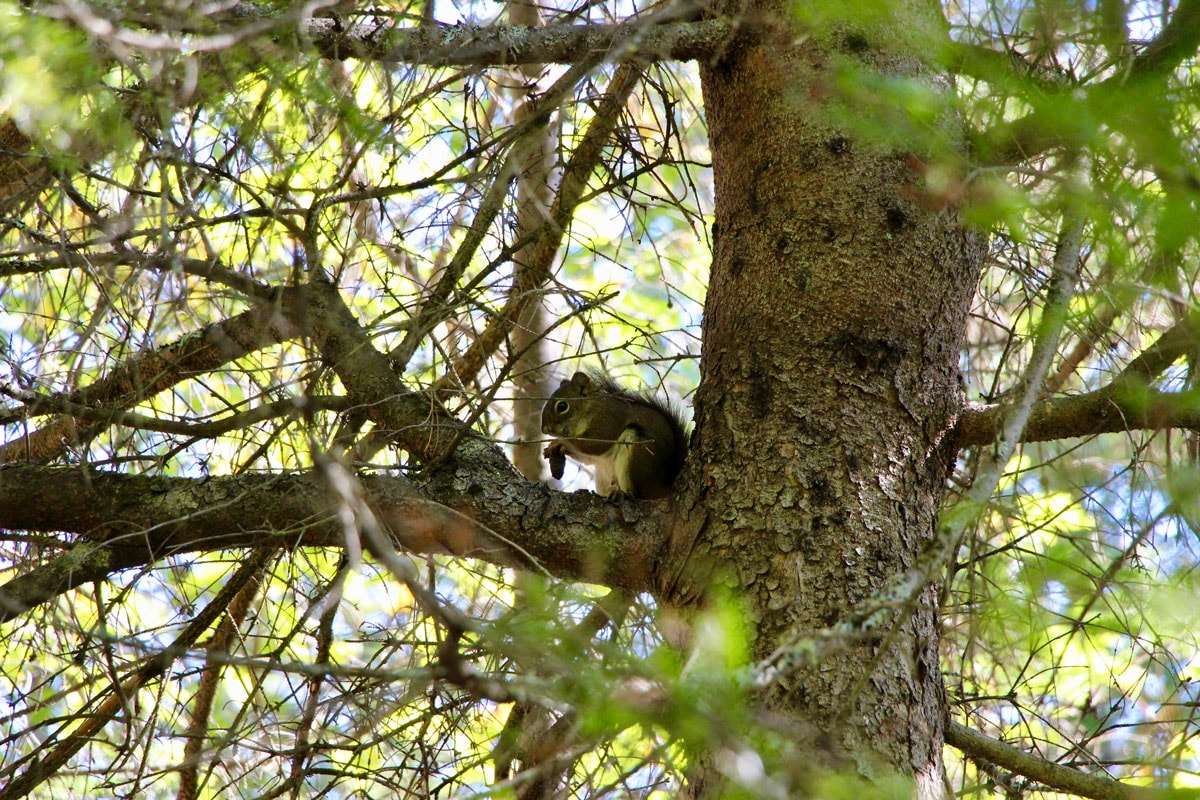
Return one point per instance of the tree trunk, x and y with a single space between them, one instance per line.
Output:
832 330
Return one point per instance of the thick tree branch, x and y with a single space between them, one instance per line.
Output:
1103 411
1178 41
84 563
210 270
1126 404
414 421
130 520
474 511
1055 776
467 45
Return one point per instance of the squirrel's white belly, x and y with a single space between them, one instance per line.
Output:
612 466
605 469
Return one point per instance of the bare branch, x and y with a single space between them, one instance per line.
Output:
163 262
1178 341
1103 411
95 719
222 642
149 373
1054 776
1041 130
540 253
532 133
36 404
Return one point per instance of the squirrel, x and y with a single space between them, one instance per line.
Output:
635 441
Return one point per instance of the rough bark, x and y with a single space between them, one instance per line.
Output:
482 510
832 328
466 45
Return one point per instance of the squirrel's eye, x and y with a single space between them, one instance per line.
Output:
561 407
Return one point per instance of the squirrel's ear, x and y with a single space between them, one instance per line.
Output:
582 380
